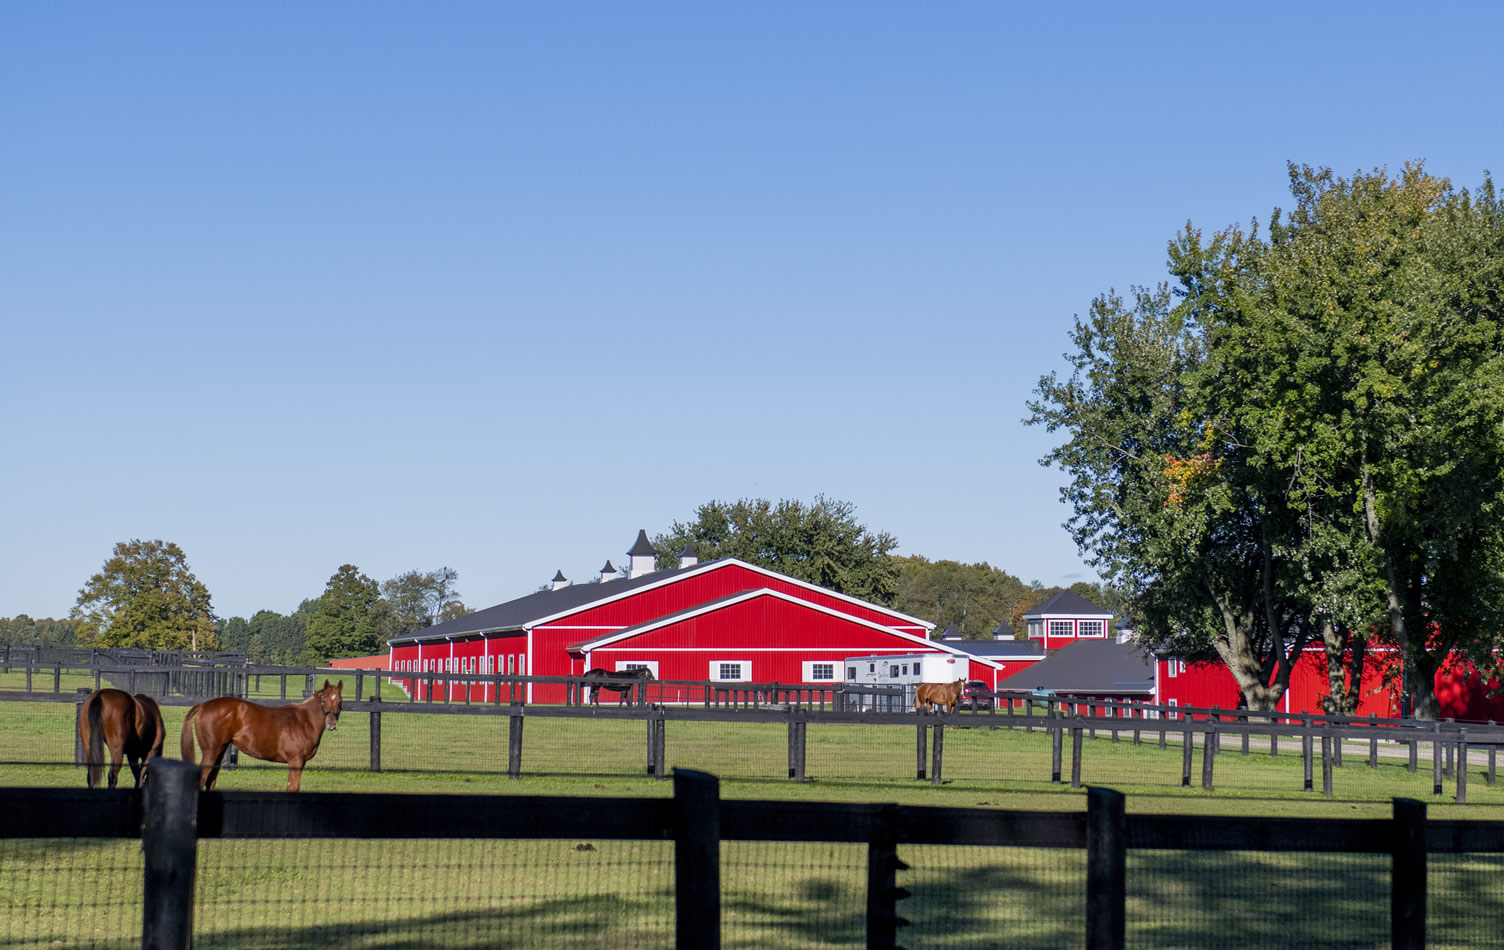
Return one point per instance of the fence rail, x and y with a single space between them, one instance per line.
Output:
171 817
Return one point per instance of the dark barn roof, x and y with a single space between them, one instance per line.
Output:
1068 603
1089 666
642 547
993 649
537 605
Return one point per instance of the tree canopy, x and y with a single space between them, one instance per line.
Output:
1302 443
146 596
822 543
974 597
343 622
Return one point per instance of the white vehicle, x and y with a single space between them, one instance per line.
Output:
907 670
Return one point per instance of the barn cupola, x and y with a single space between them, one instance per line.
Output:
560 581
687 556
608 573
642 556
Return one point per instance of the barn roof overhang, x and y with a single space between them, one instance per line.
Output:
720 603
542 607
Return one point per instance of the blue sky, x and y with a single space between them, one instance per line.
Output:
494 286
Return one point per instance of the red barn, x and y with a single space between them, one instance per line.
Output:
723 619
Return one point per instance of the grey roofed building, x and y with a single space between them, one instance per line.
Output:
1068 603
1003 631
993 649
1092 667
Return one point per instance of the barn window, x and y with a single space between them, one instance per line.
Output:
623 666
730 671
1092 628
822 672
1062 628
1172 667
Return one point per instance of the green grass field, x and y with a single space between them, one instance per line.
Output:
566 893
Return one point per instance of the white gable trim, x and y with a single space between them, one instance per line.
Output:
717 565
745 596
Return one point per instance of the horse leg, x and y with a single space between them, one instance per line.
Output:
117 758
294 774
208 772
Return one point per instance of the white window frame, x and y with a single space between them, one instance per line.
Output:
1172 668
623 666
715 672
809 671
1181 664
1053 628
1173 715
1083 625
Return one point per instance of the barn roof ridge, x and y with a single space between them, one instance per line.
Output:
540 606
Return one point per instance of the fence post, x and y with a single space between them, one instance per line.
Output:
514 747
1407 895
1336 745
1436 762
883 892
1492 747
660 752
1414 754
1305 751
935 756
1208 756
697 860
1462 766
1057 735
652 746
78 742
920 754
375 740
1106 867
1076 757
799 749
1373 741
1188 745
169 840
1326 762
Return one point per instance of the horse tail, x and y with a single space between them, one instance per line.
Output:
91 736
149 724
186 742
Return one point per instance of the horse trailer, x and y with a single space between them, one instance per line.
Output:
893 678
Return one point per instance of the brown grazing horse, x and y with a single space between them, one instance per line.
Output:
288 733
130 725
930 695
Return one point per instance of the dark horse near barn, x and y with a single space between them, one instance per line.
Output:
130 725
620 681
288 733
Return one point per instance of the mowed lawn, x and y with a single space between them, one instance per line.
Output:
578 893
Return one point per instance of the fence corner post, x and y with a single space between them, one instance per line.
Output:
1106 868
1407 895
697 860
883 892
169 842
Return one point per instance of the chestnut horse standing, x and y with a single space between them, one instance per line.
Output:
288 733
929 695
130 725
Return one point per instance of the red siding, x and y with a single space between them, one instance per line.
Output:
702 586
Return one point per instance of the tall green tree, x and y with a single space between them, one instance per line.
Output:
973 597
1303 443
22 630
281 639
342 623
146 596
822 543
418 599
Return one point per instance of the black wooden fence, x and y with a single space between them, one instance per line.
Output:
170 816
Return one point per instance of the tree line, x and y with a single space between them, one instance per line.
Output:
1298 437
146 596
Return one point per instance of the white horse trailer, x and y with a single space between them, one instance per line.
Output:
906 670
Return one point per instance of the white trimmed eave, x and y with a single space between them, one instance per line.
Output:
715 566
639 629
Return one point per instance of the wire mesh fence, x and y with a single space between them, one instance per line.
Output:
70 892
